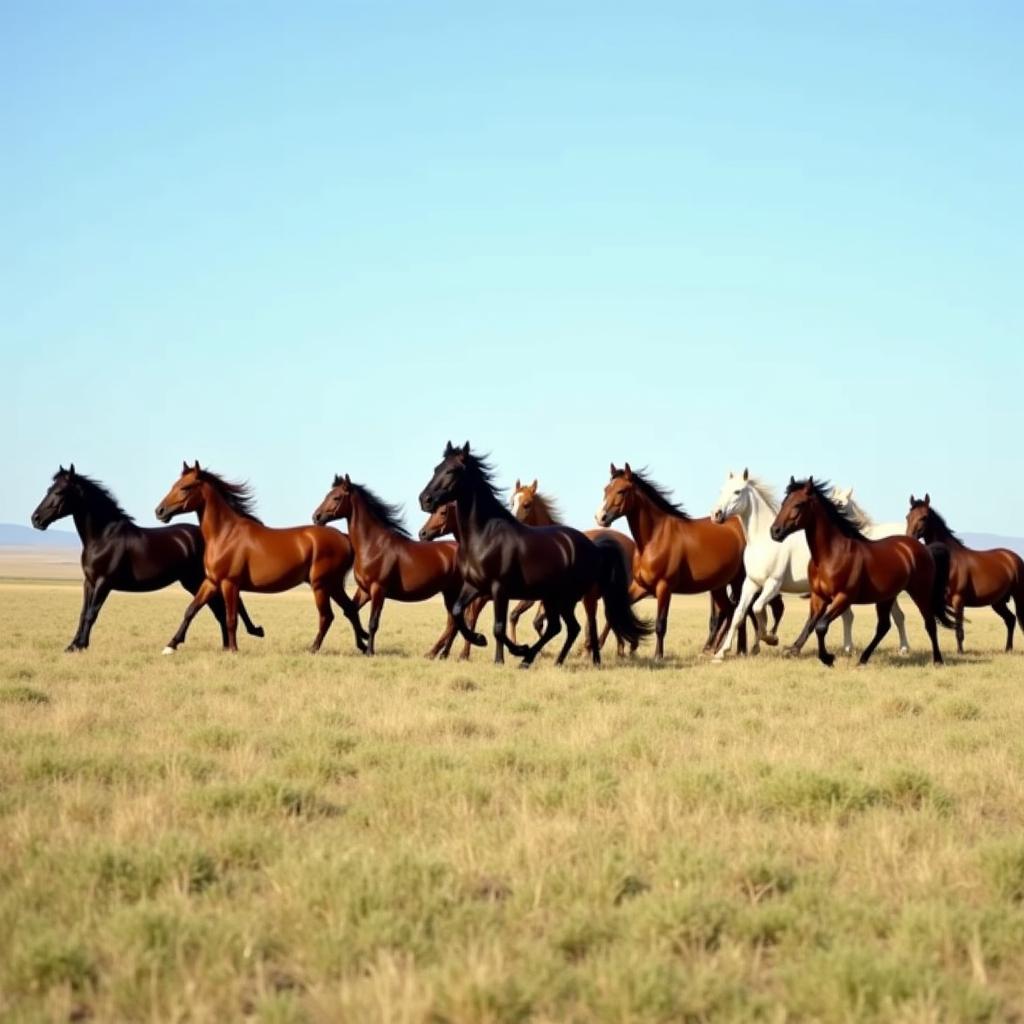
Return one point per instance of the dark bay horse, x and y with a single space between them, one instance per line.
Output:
500 557
118 555
388 562
533 508
242 554
675 554
846 568
977 579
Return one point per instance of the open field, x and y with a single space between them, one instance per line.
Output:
208 838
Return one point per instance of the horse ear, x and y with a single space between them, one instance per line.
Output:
449 448
612 470
465 448
348 480
71 469
184 466
60 468
746 473
518 486
627 471
533 486
927 498
196 466
792 480
911 499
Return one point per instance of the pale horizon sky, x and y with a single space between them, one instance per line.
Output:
291 241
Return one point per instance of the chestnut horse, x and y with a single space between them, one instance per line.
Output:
533 508
675 554
442 523
977 579
500 557
241 553
846 568
118 555
388 562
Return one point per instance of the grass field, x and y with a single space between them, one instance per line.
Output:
288 838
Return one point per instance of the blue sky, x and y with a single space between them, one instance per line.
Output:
289 240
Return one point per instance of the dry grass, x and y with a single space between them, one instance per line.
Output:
207 838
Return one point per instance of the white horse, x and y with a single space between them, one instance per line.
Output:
772 567
843 497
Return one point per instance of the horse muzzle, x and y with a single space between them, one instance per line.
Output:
162 514
778 533
718 516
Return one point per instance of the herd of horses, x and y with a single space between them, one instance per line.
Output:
750 551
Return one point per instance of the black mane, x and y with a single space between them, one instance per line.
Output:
937 523
387 515
479 471
845 520
97 496
658 495
238 496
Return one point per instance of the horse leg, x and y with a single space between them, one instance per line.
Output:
350 609
956 602
835 609
1001 609
847 618
444 641
768 596
778 607
250 627
472 614
216 606
709 644
376 607
206 590
901 627
883 627
818 606
592 640
572 626
76 641
663 595
725 620
925 602
229 592
100 592
514 616
466 597
323 606
552 627
747 595
500 626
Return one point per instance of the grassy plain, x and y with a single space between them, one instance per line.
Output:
286 838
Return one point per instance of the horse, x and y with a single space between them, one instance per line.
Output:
533 508
846 568
675 554
771 568
118 555
388 562
441 523
503 559
977 579
843 497
241 553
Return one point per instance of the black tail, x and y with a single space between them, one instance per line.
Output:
615 580
943 613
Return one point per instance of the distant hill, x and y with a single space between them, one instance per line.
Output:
14 536
992 540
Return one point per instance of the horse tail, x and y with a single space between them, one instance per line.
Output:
942 611
615 578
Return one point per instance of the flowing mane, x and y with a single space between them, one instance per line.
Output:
389 516
239 497
659 496
480 473
98 497
765 492
937 523
843 519
858 514
549 507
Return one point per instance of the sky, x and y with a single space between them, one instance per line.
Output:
290 240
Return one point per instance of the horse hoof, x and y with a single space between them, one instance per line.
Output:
168 650
903 652
771 641
259 631
790 652
478 640
718 659
828 660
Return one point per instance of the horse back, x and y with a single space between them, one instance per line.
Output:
983 577
693 555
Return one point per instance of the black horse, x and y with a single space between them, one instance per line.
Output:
501 558
118 555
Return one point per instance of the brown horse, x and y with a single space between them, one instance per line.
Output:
675 554
977 579
240 553
846 568
533 508
388 562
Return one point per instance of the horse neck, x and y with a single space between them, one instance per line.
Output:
475 507
758 518
215 514
943 534
363 527
822 536
644 519
92 520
